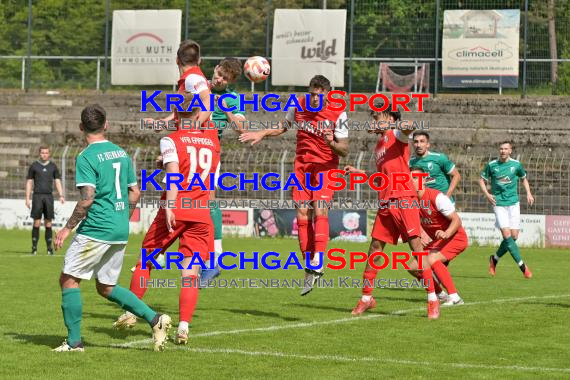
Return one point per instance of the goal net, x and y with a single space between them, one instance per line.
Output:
403 77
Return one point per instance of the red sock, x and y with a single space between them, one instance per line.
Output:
443 274
427 276
140 275
368 277
306 235
188 300
436 284
321 234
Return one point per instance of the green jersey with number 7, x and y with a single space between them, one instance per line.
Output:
108 168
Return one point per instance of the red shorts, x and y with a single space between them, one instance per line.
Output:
392 223
450 248
301 169
194 236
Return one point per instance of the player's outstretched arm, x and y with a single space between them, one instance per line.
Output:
134 197
87 195
529 197
29 185
455 178
256 137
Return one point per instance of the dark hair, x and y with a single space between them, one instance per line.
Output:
417 169
421 133
230 67
43 147
93 118
188 53
507 142
379 104
320 81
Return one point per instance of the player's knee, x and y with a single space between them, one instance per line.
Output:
47 223
37 223
104 290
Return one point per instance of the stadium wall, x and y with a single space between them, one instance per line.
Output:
536 230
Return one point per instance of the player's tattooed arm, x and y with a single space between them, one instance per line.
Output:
87 196
134 197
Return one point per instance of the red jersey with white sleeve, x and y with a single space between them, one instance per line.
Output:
198 154
435 217
193 80
392 156
311 145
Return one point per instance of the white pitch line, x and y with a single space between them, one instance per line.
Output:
335 321
330 358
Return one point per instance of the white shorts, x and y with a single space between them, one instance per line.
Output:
508 216
86 258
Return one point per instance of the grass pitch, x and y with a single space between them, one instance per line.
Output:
510 327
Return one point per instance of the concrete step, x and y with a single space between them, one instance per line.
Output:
19 140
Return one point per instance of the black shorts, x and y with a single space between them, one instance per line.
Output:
42 204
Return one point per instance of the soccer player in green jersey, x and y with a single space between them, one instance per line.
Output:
109 194
504 174
443 175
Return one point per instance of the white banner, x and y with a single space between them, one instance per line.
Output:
308 42
481 229
144 46
480 48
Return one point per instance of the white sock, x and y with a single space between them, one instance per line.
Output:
496 257
432 296
183 326
366 298
442 294
315 262
218 246
454 297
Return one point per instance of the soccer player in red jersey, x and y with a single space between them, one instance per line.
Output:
443 225
192 153
321 138
392 155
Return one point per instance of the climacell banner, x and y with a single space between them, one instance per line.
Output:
481 48
144 45
308 42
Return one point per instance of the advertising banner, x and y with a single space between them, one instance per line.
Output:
307 42
144 46
480 48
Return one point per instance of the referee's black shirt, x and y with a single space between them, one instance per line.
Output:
43 176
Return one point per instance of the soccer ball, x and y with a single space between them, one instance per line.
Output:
256 69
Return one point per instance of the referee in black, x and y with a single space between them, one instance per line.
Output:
41 176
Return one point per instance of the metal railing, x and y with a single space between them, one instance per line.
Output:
548 174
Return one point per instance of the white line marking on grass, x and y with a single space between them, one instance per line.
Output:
369 359
337 321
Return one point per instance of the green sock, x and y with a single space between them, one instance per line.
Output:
216 215
514 250
502 248
129 302
72 312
